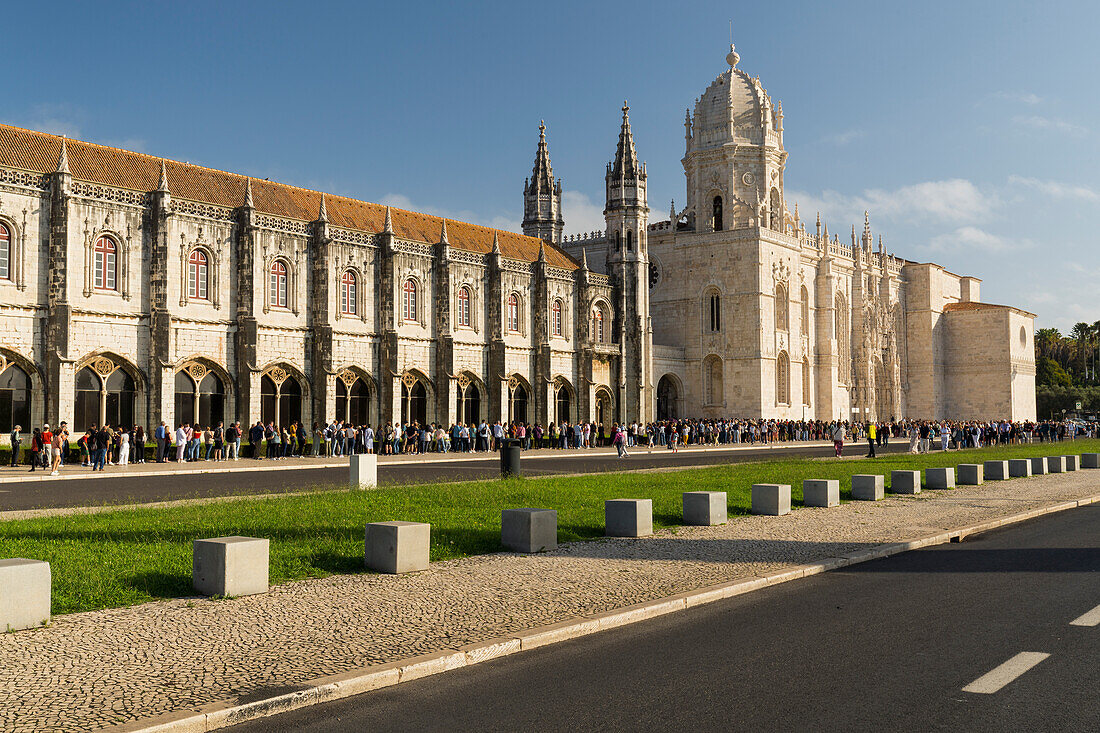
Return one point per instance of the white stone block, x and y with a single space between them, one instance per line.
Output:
1072 463
628 517
824 492
1039 466
971 474
1090 460
998 470
364 470
905 482
1056 464
230 566
24 594
529 530
704 508
771 499
939 478
397 547
868 486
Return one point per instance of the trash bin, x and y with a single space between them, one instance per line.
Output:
509 458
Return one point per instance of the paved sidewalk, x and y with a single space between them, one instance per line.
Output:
106 667
71 471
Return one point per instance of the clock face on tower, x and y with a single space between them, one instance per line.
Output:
654 275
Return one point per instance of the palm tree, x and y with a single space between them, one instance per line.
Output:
1080 334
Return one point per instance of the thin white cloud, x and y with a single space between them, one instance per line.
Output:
1049 123
1057 189
581 214
968 239
1019 97
949 201
843 138
401 201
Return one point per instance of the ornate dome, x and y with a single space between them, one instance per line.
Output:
734 108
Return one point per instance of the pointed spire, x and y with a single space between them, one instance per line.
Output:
63 159
387 228
542 251
443 233
853 235
672 213
542 175
322 215
248 193
496 243
819 223
867 239
584 258
626 158
162 187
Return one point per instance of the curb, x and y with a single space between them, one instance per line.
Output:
334 687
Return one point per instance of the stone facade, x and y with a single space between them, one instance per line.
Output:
755 315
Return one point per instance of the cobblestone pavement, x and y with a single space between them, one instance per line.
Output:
100 668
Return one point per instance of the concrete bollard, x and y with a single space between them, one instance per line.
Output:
970 474
905 482
364 470
25 587
1072 462
397 547
529 530
771 499
1056 464
704 508
1019 467
996 470
939 478
628 517
868 486
230 566
1038 466
1090 460
823 492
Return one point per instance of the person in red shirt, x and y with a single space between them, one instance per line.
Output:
47 446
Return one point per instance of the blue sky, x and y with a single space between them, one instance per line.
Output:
969 129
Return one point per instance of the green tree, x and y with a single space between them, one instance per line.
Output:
1049 373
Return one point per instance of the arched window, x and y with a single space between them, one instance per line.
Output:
469 403
201 402
716 221
513 312
629 240
353 404
106 263
464 306
414 403
107 400
561 405
774 211
348 293
599 333
409 310
712 380
280 403
555 319
517 405
782 314
278 286
806 389
5 254
843 338
714 312
15 399
783 379
198 268
805 311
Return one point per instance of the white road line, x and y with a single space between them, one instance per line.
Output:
1091 618
1000 676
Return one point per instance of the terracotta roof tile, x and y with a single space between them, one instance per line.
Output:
38 152
972 306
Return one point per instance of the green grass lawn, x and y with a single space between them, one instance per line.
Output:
131 556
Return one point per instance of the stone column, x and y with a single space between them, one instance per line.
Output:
59 314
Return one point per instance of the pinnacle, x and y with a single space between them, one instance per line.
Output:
248 193
63 159
163 185
322 215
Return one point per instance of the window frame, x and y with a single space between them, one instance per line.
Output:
349 293
512 321
462 308
599 333
198 275
105 264
410 297
6 241
556 319
278 284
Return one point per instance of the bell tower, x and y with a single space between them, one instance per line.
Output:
627 216
542 197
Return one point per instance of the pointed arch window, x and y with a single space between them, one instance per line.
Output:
277 296
409 304
629 240
783 379
513 313
714 312
5 253
599 328
105 264
782 310
716 220
464 306
805 311
555 318
198 275
349 288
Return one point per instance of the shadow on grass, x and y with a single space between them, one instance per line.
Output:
160 584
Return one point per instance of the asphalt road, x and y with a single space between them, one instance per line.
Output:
886 645
119 488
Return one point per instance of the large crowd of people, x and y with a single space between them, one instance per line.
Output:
106 445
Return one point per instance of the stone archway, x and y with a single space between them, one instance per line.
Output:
669 395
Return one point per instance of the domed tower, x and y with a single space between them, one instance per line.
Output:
734 157
542 197
627 216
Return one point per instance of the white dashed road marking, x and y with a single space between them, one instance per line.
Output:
1091 618
1000 676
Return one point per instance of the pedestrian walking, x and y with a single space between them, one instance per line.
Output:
16 445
